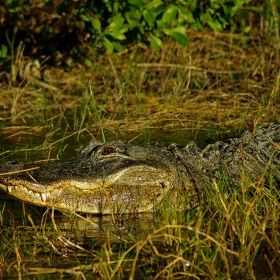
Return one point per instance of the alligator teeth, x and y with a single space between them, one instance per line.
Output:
9 188
44 197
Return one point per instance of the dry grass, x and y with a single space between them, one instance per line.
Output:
217 81
234 236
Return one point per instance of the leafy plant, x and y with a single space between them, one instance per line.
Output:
88 26
150 22
3 51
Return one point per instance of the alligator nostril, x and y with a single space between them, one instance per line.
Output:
14 162
93 151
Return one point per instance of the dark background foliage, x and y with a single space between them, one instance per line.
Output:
80 28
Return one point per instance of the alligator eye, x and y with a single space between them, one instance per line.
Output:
108 150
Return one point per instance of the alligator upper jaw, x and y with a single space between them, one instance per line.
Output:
130 190
102 178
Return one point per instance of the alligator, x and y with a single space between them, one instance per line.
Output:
120 177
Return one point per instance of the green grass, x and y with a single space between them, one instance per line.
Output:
213 89
227 237
203 85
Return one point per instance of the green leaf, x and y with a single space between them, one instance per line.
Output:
134 23
197 26
108 45
194 5
116 24
133 15
117 27
170 14
88 62
3 51
154 4
230 8
79 11
161 24
205 17
180 29
140 38
85 17
137 3
185 15
156 42
179 37
118 46
117 35
224 22
124 28
149 18
96 24
247 29
215 25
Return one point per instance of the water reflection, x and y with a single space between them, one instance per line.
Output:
91 226
34 147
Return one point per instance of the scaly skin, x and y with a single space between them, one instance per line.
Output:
118 177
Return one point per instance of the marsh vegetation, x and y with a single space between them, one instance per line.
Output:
220 85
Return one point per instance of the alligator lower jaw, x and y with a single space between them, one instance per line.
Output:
99 200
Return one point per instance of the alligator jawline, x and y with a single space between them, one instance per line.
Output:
121 177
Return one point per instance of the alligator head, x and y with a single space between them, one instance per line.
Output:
101 178
120 177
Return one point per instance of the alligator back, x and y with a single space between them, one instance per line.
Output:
254 154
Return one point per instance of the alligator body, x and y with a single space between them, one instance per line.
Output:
120 177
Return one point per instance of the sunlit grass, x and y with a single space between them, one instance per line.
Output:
210 83
228 236
217 85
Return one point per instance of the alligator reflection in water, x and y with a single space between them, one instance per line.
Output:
83 226
123 178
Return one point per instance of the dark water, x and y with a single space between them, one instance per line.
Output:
89 232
